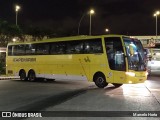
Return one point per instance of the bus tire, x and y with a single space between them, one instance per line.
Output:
31 76
22 75
100 80
117 85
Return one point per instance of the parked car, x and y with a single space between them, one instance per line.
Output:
153 64
147 54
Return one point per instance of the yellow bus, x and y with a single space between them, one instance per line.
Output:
103 59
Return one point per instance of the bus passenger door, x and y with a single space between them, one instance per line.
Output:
116 59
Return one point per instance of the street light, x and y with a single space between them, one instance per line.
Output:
17 8
107 30
14 39
90 13
90 25
155 15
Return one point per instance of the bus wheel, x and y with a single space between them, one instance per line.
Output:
32 76
117 84
22 75
100 80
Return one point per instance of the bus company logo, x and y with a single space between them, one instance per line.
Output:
87 59
24 60
6 114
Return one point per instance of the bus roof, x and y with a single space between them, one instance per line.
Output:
68 38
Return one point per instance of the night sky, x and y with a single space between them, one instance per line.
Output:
129 17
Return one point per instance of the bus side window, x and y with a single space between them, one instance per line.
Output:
93 46
30 49
97 46
10 50
79 48
87 48
61 48
58 48
19 50
42 49
53 49
74 47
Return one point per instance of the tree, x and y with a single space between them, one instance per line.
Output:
8 32
38 33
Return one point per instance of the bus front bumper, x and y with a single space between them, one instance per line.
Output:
136 77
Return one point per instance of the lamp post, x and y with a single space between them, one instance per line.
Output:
17 8
80 22
90 23
155 15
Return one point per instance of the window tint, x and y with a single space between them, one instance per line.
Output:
115 53
93 46
53 48
58 48
30 49
89 46
20 49
42 49
16 50
10 50
74 47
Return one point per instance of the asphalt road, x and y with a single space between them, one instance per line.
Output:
70 97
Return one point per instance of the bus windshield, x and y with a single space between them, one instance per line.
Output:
137 60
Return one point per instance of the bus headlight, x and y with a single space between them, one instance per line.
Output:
130 74
146 73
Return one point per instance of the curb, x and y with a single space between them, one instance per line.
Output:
8 78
